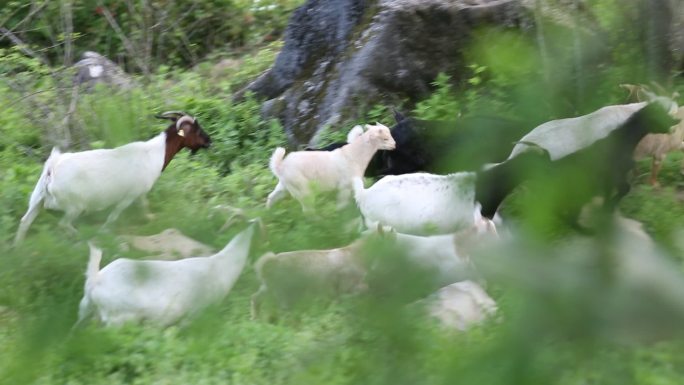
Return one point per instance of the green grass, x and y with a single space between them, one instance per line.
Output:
560 320
371 339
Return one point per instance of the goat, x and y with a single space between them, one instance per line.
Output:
656 146
599 168
442 146
563 137
333 272
98 179
495 182
464 144
419 203
160 292
343 270
327 171
446 256
460 305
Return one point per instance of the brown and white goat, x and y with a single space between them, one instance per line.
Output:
98 179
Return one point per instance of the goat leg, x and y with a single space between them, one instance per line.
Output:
655 169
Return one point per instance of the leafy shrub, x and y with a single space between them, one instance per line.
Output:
144 35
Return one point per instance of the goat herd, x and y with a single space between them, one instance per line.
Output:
434 218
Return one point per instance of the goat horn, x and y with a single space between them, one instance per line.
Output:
170 115
184 119
398 116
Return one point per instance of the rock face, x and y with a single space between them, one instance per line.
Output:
342 56
94 68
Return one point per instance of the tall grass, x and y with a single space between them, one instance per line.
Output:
568 314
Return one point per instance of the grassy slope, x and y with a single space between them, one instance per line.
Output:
350 341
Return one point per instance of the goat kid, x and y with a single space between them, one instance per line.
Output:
303 171
160 292
98 179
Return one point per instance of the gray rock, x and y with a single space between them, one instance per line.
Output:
342 56
94 68
170 244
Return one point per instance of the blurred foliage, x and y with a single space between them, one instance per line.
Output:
147 33
562 320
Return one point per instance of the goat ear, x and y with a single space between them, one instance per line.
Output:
398 116
181 132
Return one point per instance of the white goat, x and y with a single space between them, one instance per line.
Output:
161 292
98 179
302 171
448 255
333 272
460 305
343 271
419 203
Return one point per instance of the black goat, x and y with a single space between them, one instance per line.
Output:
447 146
443 146
599 169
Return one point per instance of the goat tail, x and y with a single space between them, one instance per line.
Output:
37 196
39 191
259 265
93 264
276 160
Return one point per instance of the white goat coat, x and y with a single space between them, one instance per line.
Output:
419 203
329 170
461 305
302 172
97 179
162 292
563 137
438 252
